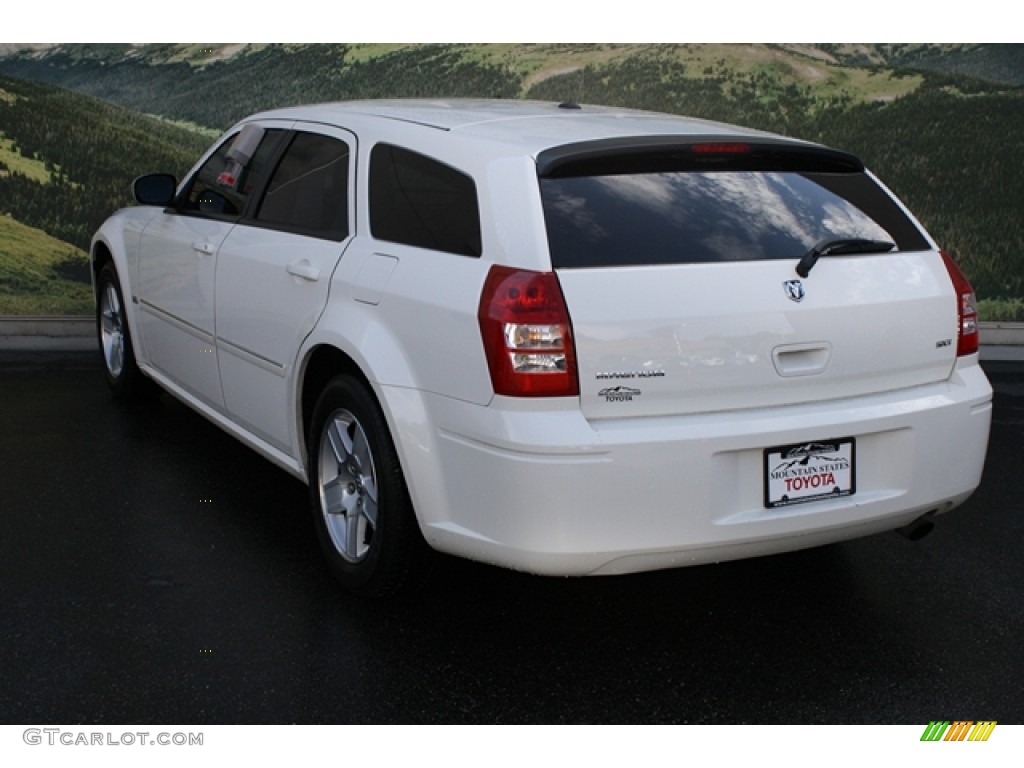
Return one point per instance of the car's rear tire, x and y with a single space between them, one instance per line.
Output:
124 378
362 512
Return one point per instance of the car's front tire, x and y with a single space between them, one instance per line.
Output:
115 339
362 512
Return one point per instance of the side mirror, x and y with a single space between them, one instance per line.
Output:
155 189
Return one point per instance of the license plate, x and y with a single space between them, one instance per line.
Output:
795 474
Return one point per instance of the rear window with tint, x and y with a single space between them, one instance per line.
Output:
682 217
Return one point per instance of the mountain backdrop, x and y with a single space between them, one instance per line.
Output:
941 124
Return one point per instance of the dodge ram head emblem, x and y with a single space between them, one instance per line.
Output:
794 290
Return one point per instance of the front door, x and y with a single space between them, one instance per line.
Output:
177 268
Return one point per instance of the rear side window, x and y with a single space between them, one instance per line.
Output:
416 200
701 216
309 189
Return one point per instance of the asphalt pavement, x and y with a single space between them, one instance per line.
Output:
154 570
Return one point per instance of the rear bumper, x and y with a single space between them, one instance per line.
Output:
535 487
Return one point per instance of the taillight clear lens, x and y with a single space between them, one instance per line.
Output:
527 336
966 308
534 336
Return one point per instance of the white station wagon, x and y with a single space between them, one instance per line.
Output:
559 338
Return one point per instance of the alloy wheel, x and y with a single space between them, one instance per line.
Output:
348 486
112 330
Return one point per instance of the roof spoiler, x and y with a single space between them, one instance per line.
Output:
655 154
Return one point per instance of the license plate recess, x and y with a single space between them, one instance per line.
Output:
811 471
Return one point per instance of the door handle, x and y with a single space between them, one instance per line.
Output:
204 249
304 270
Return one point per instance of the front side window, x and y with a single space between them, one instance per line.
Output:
308 192
416 200
223 184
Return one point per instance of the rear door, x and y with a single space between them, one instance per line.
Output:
678 265
273 273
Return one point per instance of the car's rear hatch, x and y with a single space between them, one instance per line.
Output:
678 266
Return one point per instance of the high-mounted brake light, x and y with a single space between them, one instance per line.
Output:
966 309
527 336
720 148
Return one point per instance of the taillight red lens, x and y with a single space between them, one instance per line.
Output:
966 309
524 323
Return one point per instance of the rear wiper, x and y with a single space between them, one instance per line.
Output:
838 246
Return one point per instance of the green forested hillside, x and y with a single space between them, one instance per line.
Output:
85 154
66 163
40 275
948 144
958 162
994 62
220 92
214 85
1001 63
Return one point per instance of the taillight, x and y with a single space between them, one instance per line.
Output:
966 309
527 335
